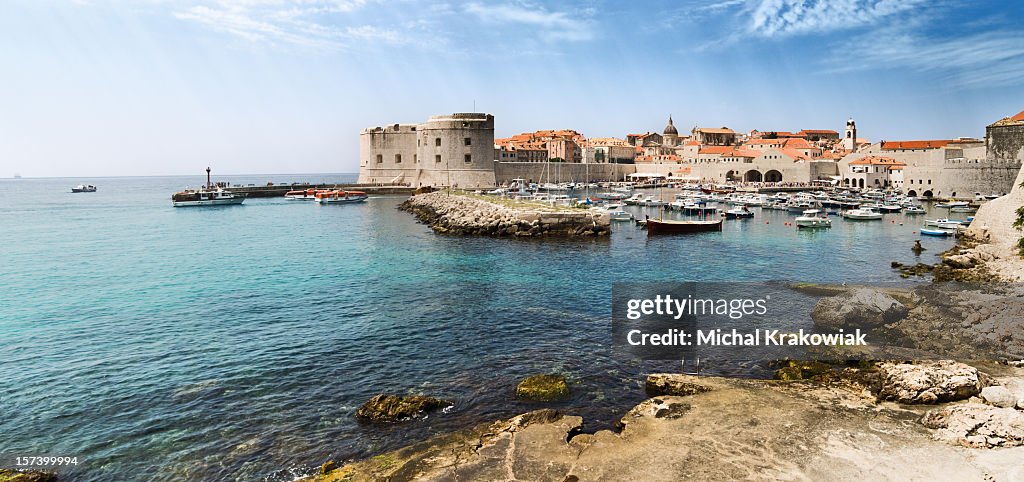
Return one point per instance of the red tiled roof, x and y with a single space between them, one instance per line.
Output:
1018 117
818 131
715 149
797 143
935 144
795 154
713 130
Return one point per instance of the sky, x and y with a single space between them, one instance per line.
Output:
165 87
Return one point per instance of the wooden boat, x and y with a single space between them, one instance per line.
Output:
664 226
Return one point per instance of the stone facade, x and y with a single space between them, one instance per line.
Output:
453 150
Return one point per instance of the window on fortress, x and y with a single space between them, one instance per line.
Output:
929 181
415 159
437 158
398 158
437 141
380 158
469 158
469 141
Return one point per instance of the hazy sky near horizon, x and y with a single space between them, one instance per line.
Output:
117 87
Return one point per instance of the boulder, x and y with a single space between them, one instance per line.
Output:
659 384
998 396
806 370
394 408
543 388
976 425
858 308
328 467
927 382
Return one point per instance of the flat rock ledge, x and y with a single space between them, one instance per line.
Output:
462 214
711 428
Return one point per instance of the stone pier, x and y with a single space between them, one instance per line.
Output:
469 214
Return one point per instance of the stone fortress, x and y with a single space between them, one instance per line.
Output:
460 150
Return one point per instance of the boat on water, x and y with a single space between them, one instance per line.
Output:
890 208
739 213
937 232
962 209
953 204
612 196
813 218
208 195
665 226
620 215
915 209
651 201
306 195
862 214
943 223
340 197
84 188
634 200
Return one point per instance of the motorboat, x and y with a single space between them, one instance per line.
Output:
620 215
739 213
613 196
84 188
209 195
862 214
813 218
651 201
665 226
890 208
634 200
962 209
944 223
340 197
937 232
953 204
914 209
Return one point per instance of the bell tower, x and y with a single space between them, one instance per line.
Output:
850 136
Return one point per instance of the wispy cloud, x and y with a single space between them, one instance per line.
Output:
291 22
552 25
771 18
983 59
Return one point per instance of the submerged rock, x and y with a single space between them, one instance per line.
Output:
543 388
676 384
927 382
7 475
858 308
976 425
394 408
998 396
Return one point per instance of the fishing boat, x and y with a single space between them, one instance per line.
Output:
813 218
862 214
665 226
739 213
84 188
937 232
340 197
306 195
208 195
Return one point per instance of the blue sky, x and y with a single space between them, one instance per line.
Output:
110 87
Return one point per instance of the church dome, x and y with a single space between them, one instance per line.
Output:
670 129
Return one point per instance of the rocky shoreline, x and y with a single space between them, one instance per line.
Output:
892 421
465 214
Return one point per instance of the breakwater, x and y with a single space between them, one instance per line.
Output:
466 214
280 190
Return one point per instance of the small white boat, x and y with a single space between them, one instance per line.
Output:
962 209
620 216
739 213
913 210
812 218
634 200
862 214
937 232
943 223
209 195
953 204
84 188
651 201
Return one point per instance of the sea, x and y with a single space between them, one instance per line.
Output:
235 343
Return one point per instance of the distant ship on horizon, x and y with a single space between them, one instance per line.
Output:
17 176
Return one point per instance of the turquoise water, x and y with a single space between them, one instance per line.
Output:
236 343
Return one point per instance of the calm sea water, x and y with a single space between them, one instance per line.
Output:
235 343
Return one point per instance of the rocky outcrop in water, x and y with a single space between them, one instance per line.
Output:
977 426
543 388
858 308
395 408
7 475
457 214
